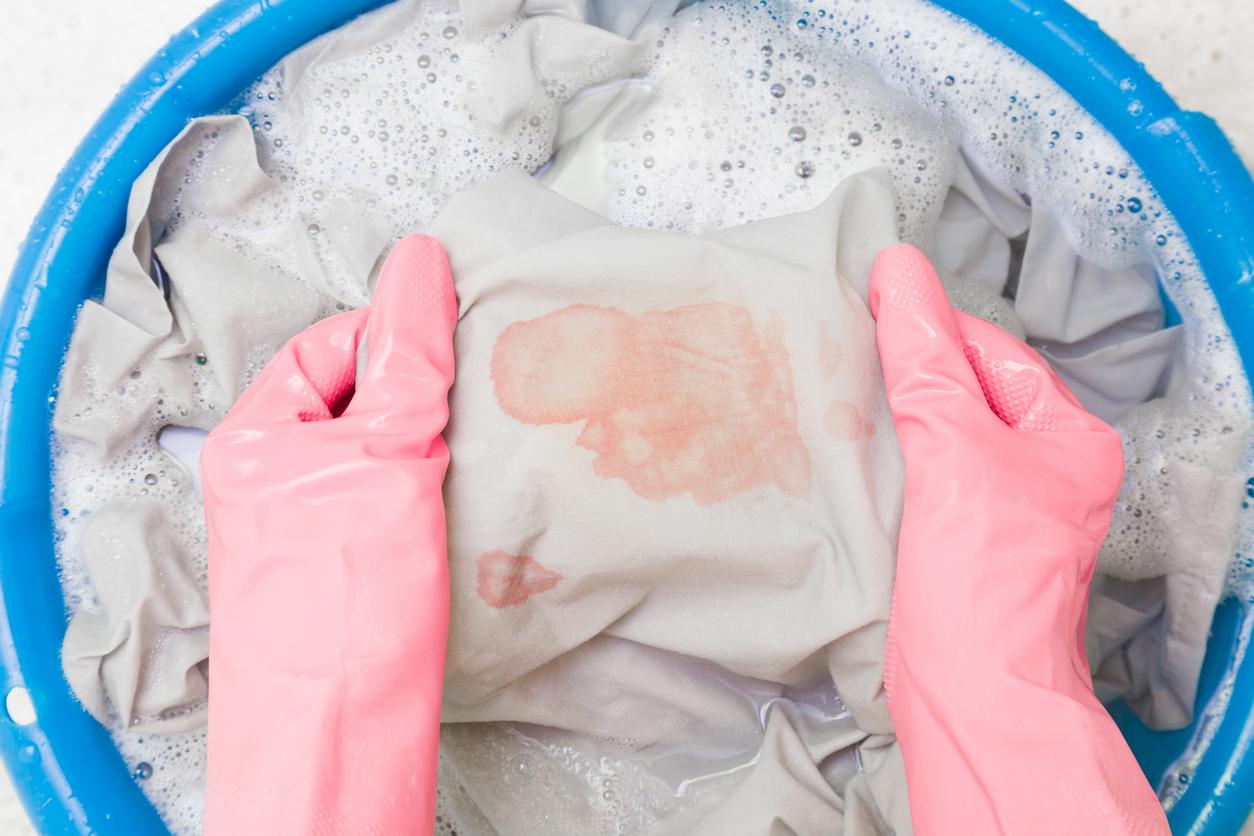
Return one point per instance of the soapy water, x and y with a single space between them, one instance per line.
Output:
760 109
560 783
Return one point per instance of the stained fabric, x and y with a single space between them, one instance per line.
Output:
672 451
234 243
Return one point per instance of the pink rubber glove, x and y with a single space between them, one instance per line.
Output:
328 576
1009 490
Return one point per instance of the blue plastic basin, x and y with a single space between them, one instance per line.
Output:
65 765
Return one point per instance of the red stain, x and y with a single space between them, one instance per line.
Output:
690 400
845 422
830 353
507 579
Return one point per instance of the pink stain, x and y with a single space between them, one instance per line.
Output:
507 579
845 422
830 353
690 400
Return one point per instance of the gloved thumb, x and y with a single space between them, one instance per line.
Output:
409 340
921 351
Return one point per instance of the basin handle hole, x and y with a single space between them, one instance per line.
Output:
18 705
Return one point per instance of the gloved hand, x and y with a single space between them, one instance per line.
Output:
328 575
1009 490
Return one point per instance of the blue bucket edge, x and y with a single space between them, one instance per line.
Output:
66 767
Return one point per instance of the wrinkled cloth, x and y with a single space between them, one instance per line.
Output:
827 805
625 18
147 645
992 740
131 368
210 223
676 443
1101 329
1162 568
1010 261
228 213
1147 634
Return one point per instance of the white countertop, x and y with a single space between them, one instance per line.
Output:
63 60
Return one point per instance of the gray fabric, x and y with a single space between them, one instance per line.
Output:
1012 263
146 645
1101 329
320 274
145 331
1162 568
972 245
625 18
1177 514
976 225
131 369
245 264
775 566
250 262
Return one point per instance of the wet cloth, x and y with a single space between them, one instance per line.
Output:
783 471
230 213
212 222
138 635
1011 261
1162 568
670 449
143 651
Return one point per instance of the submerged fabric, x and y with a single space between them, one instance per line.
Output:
1162 568
670 448
139 642
1010 260
144 651
220 219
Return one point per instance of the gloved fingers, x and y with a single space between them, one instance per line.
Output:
1019 385
410 335
307 379
925 366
